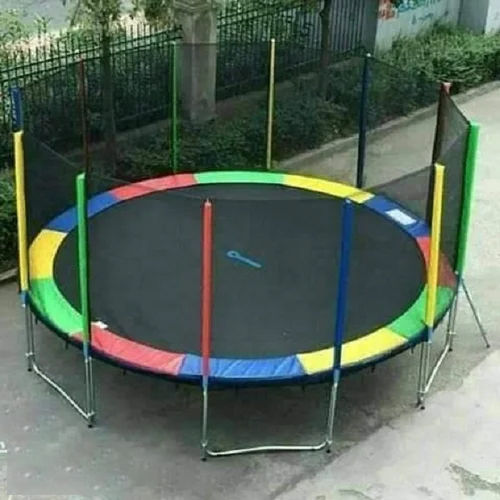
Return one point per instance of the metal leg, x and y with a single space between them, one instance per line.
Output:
452 319
90 391
476 314
331 412
89 412
425 360
326 444
204 425
28 317
448 346
421 375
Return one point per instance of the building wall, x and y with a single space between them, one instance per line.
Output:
493 18
413 16
474 14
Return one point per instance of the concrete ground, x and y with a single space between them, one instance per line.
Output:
145 445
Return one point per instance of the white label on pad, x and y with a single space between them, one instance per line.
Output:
401 217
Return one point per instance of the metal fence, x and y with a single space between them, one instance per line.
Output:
242 26
45 68
295 21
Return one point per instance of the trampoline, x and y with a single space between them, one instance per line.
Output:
276 242
243 278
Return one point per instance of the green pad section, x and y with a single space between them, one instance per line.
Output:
250 177
52 305
412 322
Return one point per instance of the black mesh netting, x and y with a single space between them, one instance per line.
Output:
452 154
49 183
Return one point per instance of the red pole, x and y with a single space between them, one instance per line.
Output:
206 290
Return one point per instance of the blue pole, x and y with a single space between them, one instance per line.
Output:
363 113
342 286
17 109
345 254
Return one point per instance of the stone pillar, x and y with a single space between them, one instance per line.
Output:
197 58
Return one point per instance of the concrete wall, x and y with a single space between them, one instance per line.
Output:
493 18
481 16
413 16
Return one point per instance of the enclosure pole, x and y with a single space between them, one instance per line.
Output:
468 188
21 211
470 173
81 202
342 286
82 78
270 105
174 156
22 243
444 92
206 316
363 119
432 277
22 239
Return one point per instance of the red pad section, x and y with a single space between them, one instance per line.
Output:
134 354
159 184
446 275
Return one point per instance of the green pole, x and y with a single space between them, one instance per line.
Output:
174 155
81 206
470 170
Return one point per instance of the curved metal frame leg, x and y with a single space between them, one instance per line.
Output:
88 413
425 381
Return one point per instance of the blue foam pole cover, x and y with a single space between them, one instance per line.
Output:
345 254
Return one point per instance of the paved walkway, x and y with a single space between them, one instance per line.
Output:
452 450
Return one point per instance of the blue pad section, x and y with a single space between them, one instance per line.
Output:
67 221
405 219
253 369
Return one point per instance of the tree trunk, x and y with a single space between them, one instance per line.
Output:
108 112
325 17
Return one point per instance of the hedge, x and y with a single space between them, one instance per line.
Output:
450 54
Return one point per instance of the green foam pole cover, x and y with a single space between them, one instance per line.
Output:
81 203
470 171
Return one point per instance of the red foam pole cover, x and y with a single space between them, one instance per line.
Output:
206 288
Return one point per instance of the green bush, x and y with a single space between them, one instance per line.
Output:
8 240
302 121
450 54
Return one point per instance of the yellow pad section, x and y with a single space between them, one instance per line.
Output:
320 185
43 252
328 187
361 196
357 351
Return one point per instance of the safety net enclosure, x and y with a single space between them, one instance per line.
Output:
255 275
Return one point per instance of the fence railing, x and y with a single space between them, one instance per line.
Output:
244 27
46 70
46 67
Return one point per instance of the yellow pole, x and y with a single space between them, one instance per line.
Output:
433 270
270 105
21 211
